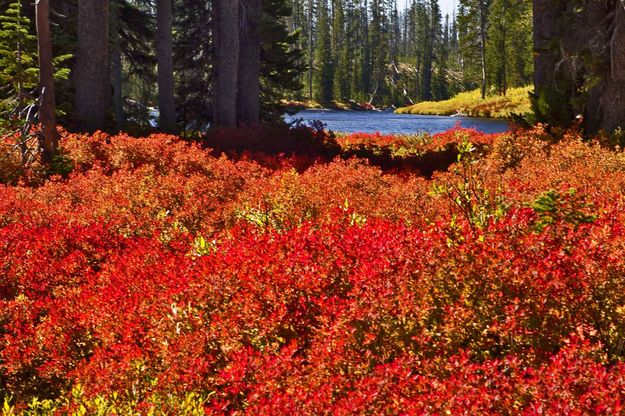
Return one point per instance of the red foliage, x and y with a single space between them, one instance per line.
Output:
158 268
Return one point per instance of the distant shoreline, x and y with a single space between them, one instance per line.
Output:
471 104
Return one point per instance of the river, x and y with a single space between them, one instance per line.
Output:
391 123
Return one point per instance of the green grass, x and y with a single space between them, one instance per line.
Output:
471 104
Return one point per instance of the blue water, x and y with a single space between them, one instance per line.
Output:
391 123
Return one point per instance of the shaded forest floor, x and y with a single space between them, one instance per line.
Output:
292 272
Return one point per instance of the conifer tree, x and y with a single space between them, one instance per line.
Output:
324 71
18 64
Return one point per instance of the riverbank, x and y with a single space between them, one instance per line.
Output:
295 106
470 104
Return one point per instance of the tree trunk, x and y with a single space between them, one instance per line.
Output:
116 66
573 46
611 104
165 60
483 22
47 118
504 49
311 49
92 71
547 15
249 64
226 26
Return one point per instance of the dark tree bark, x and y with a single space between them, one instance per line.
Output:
116 67
547 31
249 63
47 118
226 67
580 53
605 110
165 60
92 72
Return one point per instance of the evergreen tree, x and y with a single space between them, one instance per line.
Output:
282 63
192 58
379 46
340 51
473 21
18 65
324 72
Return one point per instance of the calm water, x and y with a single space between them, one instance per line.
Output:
390 123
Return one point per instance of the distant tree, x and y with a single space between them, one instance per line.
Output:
509 44
473 31
193 58
282 63
379 43
340 52
324 70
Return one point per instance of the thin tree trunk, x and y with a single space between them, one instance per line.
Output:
21 104
504 54
165 60
226 66
483 45
92 71
116 66
249 64
311 49
49 135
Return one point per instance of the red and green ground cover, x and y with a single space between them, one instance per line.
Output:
162 277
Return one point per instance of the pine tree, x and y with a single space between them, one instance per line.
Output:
18 65
324 71
474 23
341 55
192 58
282 62
509 44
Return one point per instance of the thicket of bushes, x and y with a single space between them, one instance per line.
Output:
160 276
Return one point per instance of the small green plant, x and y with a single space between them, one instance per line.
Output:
553 207
466 193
